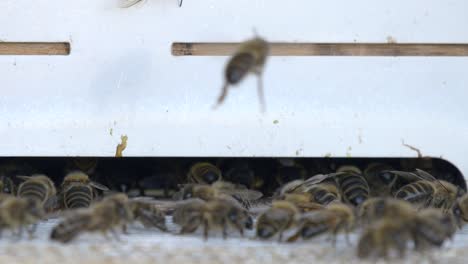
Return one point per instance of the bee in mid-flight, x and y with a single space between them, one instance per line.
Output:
249 58
130 3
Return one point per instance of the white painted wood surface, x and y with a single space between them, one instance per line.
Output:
121 76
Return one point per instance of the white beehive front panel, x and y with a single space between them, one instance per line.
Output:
121 78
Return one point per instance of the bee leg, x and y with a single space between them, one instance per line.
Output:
295 236
180 3
124 229
261 97
115 235
31 230
224 229
280 237
205 229
241 229
222 96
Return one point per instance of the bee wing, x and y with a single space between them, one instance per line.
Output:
23 177
425 175
407 175
99 186
249 195
317 179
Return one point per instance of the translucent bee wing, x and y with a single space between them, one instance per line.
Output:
425 175
408 175
99 186
24 178
317 179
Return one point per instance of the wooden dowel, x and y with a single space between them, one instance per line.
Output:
326 49
34 48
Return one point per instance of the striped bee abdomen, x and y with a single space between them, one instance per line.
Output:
354 188
322 195
239 66
204 172
416 192
78 196
34 190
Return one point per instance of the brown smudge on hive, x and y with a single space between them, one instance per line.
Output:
121 147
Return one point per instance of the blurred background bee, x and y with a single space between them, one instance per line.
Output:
17 213
250 57
279 218
130 3
203 173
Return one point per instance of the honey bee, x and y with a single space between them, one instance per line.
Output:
7 185
282 215
218 213
374 209
78 190
86 165
16 213
148 214
38 187
204 173
426 229
460 210
290 171
250 57
302 201
380 179
353 185
130 3
219 189
240 172
427 191
111 213
335 218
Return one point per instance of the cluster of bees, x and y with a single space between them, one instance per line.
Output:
393 211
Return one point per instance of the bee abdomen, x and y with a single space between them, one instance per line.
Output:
78 197
323 197
238 67
314 230
33 190
415 192
355 189
70 228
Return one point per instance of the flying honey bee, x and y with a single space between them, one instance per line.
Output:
204 173
130 3
218 213
38 187
392 235
111 213
148 214
219 189
381 181
276 220
16 213
460 210
353 186
250 57
78 190
335 218
427 191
